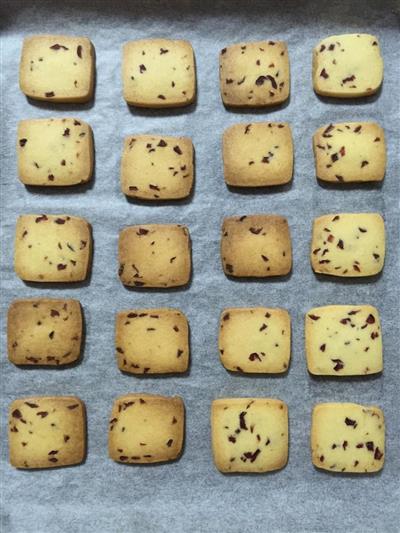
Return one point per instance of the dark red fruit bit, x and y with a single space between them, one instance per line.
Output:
161 97
357 129
41 218
340 244
247 128
177 150
334 158
370 319
179 353
360 445
223 51
60 266
330 238
322 458
231 438
344 321
228 81
51 334
378 454
22 142
363 230
63 163
314 317
31 405
260 80
53 452
53 459
133 188
364 163
58 47
324 74
256 231
327 130
264 258
59 221
339 365
376 256
66 132
42 414
139 283
226 316
142 69
162 143
229 267
350 422
253 356
50 94
123 458
331 47
79 51
77 123
154 187
356 268
120 350
142 231
349 78
73 406
322 347
169 443
377 139
50 177
16 413
322 48
339 177
252 456
345 444
374 335
66 438
264 326
242 421
370 446
163 51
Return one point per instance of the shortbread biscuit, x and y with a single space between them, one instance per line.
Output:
343 340
52 248
348 437
350 152
57 68
45 432
44 332
256 246
54 151
152 341
254 74
157 167
258 154
145 428
158 73
249 435
155 255
348 244
347 66
255 340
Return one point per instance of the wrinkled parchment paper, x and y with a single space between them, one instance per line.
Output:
190 494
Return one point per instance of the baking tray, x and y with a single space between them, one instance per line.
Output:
190 494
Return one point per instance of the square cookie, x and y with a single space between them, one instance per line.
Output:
249 435
155 255
158 73
254 74
52 248
343 340
157 167
256 246
255 340
57 68
45 432
347 66
350 152
145 428
258 154
44 332
54 151
348 437
348 244
152 341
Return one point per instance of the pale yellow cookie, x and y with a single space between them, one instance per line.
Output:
249 434
343 340
57 68
347 437
348 244
258 154
347 66
254 74
158 73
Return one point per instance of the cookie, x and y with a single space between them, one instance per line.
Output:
54 151
347 66
57 68
254 74
158 73
157 167
348 437
155 255
152 341
255 340
343 340
348 244
350 152
52 248
249 435
256 246
44 332
145 428
258 154
45 432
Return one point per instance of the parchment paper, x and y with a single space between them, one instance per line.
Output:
190 494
